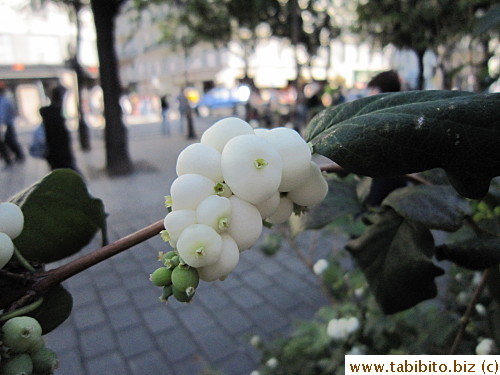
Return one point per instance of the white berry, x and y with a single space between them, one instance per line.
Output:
295 153
246 223
261 132
11 219
227 262
199 245
314 191
251 167
6 249
269 206
176 221
285 209
223 130
188 190
214 211
199 158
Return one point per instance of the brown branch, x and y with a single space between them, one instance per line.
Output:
464 321
58 275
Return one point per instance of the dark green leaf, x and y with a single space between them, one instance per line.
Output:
493 283
60 217
55 309
340 201
476 253
436 207
398 133
394 255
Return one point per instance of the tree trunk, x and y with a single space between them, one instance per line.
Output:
117 155
83 128
420 77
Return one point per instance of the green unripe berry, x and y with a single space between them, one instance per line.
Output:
181 295
166 293
172 262
21 333
17 365
44 361
161 276
184 278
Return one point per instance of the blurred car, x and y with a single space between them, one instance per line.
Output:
223 98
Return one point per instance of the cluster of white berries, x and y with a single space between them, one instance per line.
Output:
342 328
228 184
11 226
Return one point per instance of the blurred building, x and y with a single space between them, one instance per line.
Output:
36 42
148 67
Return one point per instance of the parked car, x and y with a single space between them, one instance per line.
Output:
223 98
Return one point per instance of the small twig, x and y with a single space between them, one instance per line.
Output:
22 260
464 321
23 310
58 275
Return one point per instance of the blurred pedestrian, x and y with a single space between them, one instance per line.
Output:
59 150
184 109
7 117
387 81
165 123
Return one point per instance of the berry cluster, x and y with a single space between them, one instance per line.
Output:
23 350
235 178
11 226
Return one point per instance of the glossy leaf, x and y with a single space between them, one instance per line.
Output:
340 201
436 207
476 253
398 133
394 254
55 309
60 217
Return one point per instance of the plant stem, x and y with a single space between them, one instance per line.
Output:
468 313
22 311
58 275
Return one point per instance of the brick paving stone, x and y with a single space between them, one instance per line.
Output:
71 363
191 366
145 297
177 344
212 295
234 320
84 295
283 299
216 344
135 340
97 341
109 364
245 298
150 363
112 296
196 318
237 364
268 318
64 339
255 279
160 318
89 315
123 316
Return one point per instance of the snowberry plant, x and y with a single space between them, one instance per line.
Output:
236 179
228 184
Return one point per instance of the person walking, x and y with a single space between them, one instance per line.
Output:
165 124
59 151
7 117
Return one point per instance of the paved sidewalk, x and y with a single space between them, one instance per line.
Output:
118 326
